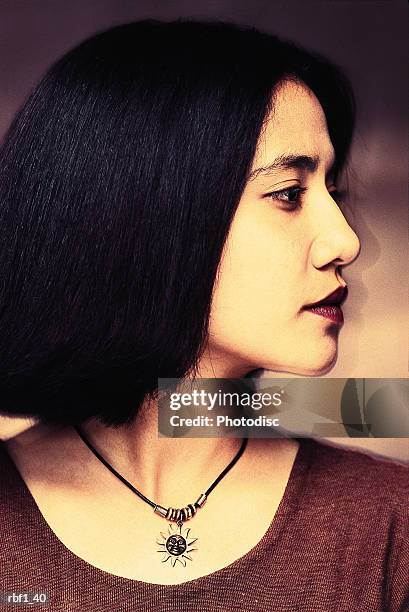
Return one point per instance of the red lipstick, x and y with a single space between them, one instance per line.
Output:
330 306
334 313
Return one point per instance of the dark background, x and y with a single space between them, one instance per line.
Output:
369 40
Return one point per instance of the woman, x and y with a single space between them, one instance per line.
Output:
169 209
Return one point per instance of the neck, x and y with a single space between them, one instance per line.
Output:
169 471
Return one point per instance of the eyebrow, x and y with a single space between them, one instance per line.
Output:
289 162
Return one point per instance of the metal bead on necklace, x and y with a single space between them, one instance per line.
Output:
176 543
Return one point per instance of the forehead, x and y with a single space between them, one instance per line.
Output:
297 124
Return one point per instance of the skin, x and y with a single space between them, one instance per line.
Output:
279 258
274 262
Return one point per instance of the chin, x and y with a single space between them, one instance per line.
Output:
318 368
320 371
315 365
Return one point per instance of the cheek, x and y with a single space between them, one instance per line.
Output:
259 280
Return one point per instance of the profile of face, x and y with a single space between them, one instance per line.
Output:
285 249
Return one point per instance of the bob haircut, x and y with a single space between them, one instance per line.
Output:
119 179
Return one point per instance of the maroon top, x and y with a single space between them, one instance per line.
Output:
339 542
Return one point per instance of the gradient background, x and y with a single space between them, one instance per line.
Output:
368 39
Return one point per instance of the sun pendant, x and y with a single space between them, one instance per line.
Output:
176 544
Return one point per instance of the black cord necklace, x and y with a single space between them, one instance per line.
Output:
176 543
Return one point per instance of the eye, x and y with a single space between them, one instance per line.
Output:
291 196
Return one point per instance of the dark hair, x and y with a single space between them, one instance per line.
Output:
119 179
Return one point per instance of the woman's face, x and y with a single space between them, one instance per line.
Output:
283 251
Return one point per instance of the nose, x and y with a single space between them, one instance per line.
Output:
336 242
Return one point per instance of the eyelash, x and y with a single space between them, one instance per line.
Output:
274 195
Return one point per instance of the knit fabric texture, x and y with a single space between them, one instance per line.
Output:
339 542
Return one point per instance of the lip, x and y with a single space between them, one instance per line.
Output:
336 298
331 312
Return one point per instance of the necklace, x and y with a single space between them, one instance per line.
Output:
176 543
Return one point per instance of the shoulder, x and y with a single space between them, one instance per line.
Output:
352 513
8 474
14 510
360 497
355 475
27 452
13 493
